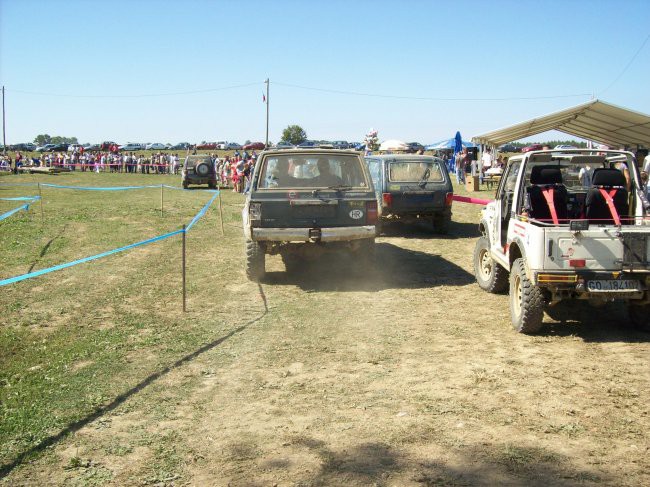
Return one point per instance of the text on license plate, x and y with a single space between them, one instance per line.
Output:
613 285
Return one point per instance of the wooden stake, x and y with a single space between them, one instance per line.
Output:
223 233
40 200
184 290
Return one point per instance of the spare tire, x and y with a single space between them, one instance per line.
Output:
202 169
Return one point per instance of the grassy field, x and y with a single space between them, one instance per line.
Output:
402 374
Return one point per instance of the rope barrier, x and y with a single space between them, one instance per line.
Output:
29 275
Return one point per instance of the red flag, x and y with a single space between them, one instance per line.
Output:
263 98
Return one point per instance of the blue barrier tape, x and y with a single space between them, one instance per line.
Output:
22 277
92 188
15 210
202 211
22 198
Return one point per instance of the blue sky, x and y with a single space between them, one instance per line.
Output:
94 69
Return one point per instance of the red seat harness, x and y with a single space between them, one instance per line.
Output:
609 198
548 196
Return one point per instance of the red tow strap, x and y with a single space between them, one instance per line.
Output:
548 196
609 198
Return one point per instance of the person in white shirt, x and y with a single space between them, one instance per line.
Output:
486 163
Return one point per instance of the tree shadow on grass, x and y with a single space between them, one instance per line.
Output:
489 464
393 268
610 323
100 411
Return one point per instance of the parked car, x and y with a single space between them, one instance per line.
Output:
532 147
26 147
254 146
331 207
221 144
106 145
508 148
92 147
233 146
283 144
180 146
206 146
131 147
564 146
307 143
340 144
198 169
155 146
412 188
62 147
414 147
45 148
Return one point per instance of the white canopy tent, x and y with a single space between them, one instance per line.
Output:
595 120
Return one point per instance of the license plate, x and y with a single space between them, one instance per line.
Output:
613 285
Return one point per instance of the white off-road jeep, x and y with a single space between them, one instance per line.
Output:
569 224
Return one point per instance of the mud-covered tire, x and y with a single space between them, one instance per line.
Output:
640 316
255 261
441 224
489 274
527 301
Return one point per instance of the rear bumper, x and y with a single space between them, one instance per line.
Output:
332 234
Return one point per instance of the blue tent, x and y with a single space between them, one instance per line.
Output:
448 144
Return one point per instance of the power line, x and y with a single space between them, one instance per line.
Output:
427 98
626 66
147 95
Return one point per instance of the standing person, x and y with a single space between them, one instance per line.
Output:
486 163
460 167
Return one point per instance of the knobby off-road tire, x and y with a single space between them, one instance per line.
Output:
255 261
490 275
640 316
441 224
527 301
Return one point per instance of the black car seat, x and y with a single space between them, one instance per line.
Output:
607 201
547 196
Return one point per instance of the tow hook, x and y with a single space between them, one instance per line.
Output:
314 234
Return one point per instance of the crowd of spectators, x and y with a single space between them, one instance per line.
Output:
233 171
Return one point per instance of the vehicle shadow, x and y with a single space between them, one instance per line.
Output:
609 323
425 231
394 268
374 463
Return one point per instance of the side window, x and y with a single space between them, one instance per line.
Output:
509 180
374 166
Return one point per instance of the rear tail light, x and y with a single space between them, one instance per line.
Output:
387 199
371 212
449 198
255 212
577 262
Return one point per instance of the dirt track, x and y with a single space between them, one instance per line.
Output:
406 375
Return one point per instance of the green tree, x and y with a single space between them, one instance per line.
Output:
294 134
42 139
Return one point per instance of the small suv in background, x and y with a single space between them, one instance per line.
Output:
199 169
412 188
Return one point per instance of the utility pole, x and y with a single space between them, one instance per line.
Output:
4 136
267 113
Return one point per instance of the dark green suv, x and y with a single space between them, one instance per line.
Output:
304 202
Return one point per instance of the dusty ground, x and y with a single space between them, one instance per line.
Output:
405 375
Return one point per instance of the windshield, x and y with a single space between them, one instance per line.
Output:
311 171
415 171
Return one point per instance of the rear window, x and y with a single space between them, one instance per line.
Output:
193 161
311 171
410 171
